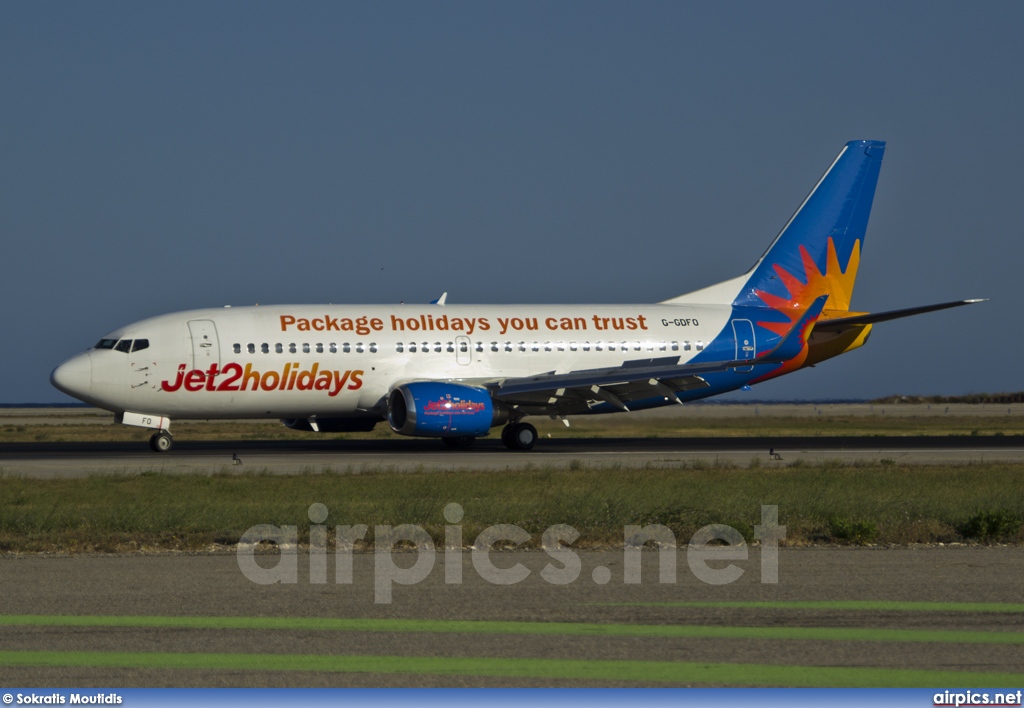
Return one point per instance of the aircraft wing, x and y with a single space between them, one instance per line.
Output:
640 378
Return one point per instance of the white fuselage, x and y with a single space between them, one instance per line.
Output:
326 360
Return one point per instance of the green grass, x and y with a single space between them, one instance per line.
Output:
570 629
825 503
630 671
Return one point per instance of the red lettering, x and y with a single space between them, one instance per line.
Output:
286 320
210 375
270 380
177 381
252 377
233 373
195 380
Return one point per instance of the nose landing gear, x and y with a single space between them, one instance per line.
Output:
519 436
161 441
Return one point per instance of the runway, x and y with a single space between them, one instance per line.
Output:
927 616
48 460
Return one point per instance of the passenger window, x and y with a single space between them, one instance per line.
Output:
141 344
572 346
373 347
494 346
463 347
661 346
700 346
359 348
561 346
437 347
279 348
399 348
425 347
251 348
611 346
125 345
291 348
238 349
522 346
334 348
586 346
346 347
597 346
265 348
305 348
534 347
675 346
547 346
105 344
508 346
319 348
451 347
686 346
412 347
479 346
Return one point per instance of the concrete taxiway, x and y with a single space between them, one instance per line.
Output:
48 460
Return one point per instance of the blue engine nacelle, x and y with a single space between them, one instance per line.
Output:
439 410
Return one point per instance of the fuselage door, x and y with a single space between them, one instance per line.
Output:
463 350
205 345
746 348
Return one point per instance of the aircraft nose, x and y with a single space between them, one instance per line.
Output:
74 376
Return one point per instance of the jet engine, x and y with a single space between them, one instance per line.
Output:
434 409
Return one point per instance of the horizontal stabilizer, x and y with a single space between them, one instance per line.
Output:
844 322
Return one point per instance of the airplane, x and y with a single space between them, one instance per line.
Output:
455 372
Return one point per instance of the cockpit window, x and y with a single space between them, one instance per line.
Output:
105 344
125 345
140 344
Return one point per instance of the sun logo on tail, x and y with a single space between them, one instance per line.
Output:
834 282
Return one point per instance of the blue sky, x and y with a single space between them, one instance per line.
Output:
161 157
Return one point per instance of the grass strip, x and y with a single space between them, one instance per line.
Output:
633 671
840 634
868 605
832 502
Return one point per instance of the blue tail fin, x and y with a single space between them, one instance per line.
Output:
818 251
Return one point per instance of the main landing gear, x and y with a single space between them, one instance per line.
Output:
519 436
161 441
